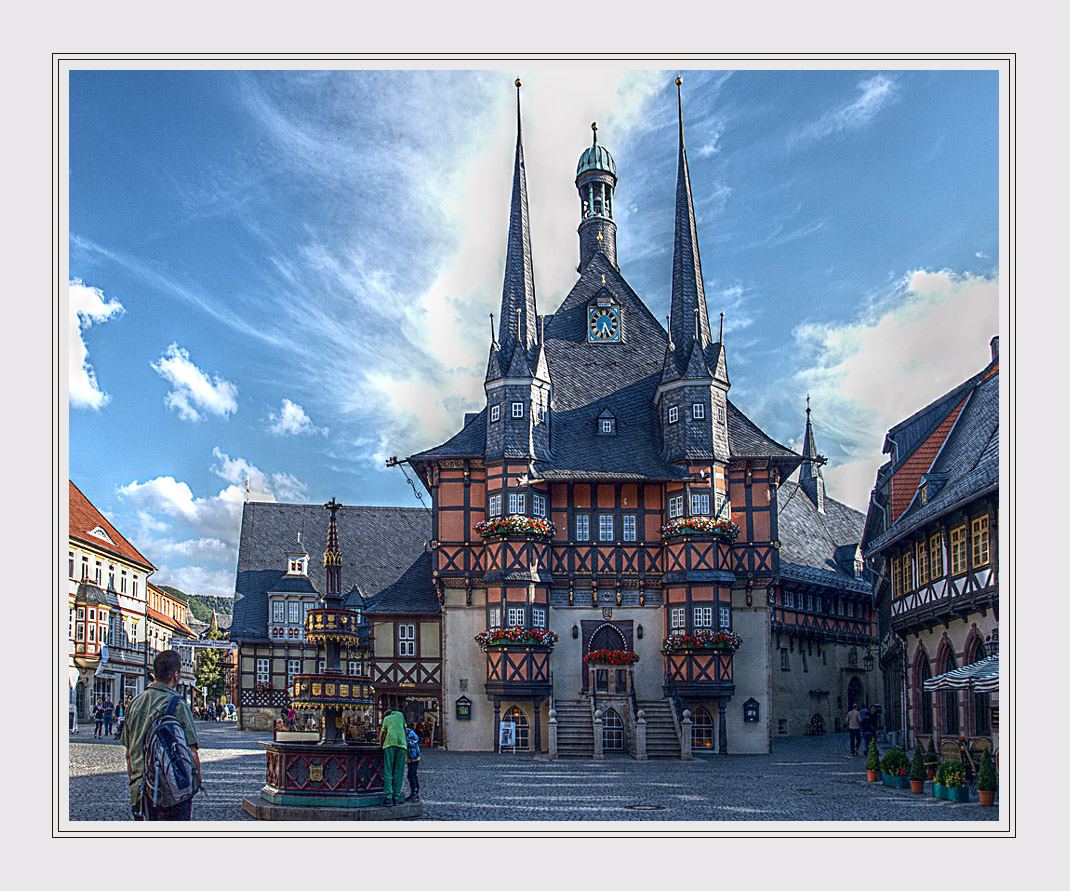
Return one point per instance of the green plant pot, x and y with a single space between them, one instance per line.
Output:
895 782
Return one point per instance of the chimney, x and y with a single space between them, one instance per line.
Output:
994 343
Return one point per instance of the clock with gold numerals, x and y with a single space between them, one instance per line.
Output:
603 324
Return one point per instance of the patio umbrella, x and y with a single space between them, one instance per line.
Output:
982 676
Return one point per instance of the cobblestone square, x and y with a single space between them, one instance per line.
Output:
804 779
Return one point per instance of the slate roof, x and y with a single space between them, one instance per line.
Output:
378 545
809 539
412 594
84 518
969 458
89 593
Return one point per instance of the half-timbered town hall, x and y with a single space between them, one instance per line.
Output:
612 534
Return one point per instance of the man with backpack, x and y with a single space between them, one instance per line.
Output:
162 762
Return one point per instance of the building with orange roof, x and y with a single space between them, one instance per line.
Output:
107 589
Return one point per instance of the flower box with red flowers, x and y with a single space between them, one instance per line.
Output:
516 524
516 637
703 640
611 657
725 530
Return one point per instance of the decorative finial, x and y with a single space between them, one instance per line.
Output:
720 334
808 403
698 330
668 326
594 127
679 80
517 82
492 340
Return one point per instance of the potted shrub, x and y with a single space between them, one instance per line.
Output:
894 766
917 771
873 763
986 781
931 761
949 782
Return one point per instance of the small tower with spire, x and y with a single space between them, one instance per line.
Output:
810 479
692 395
596 178
517 383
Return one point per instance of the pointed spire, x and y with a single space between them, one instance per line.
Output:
688 296
332 558
518 289
810 479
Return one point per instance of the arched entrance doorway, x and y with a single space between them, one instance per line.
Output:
520 719
855 694
605 636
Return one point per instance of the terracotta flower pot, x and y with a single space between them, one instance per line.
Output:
987 799
917 786
873 776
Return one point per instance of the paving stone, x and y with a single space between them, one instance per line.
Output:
804 779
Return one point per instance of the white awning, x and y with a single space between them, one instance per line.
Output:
982 676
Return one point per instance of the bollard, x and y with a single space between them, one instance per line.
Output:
640 736
553 735
685 737
598 735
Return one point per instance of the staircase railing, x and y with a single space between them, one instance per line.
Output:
677 709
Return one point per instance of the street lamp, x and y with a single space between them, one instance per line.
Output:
992 644
868 661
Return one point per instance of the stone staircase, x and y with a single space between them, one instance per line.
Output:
662 740
575 732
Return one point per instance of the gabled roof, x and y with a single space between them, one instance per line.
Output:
84 518
969 457
378 544
412 594
810 539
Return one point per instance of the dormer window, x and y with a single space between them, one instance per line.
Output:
605 426
99 532
518 409
297 564
698 411
923 494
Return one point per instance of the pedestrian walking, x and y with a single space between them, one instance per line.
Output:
98 719
869 730
854 728
395 750
120 715
413 740
159 698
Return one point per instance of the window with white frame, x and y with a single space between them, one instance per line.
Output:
674 414
516 616
99 571
133 589
294 612
538 504
698 411
677 618
538 617
263 671
79 631
495 620
353 668
111 577
700 504
703 616
606 426
81 612
321 666
122 582
810 602
605 527
85 567
70 624
406 640
628 520
70 564
494 507
676 507
518 409
278 611
495 412
92 615
724 614
517 503
720 414
583 527
293 667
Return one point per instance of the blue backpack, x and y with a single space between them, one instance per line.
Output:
414 744
169 777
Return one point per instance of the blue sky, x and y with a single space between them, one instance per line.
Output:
286 277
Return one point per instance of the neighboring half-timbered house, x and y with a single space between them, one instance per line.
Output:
281 576
932 539
406 657
607 530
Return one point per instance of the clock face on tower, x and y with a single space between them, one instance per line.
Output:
603 324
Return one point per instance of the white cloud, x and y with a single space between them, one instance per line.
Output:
907 349
876 93
193 394
87 307
293 421
192 540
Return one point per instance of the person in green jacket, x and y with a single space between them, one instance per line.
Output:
395 746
